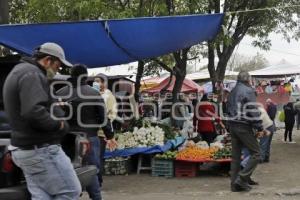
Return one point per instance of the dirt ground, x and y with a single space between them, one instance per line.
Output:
278 179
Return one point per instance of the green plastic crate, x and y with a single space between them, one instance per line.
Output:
162 168
119 166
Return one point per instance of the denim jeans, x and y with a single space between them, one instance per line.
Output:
49 173
102 160
93 158
246 156
265 144
242 136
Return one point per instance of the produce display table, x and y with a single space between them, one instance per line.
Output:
226 160
145 150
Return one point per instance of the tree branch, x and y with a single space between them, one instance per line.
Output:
211 58
121 4
163 65
231 22
141 5
219 53
177 56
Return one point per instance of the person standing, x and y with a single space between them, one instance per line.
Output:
204 119
271 111
265 140
110 101
92 117
181 113
289 121
36 136
297 108
245 125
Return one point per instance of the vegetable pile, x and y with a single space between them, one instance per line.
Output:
196 153
169 155
223 154
141 137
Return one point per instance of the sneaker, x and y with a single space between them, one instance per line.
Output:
292 142
284 141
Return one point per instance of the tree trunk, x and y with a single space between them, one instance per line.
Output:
219 73
180 73
137 85
4 20
178 82
4 12
224 58
211 65
141 64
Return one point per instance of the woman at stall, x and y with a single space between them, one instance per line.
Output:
205 118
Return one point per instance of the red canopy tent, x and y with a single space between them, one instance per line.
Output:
188 86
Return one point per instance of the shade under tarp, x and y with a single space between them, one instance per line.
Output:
280 70
188 86
112 42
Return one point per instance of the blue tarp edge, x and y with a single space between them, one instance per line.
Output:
170 144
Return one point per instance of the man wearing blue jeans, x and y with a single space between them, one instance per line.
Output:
244 126
49 173
36 135
265 144
91 117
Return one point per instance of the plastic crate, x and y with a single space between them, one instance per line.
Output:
185 169
119 166
162 168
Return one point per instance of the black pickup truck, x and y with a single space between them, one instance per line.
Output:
12 181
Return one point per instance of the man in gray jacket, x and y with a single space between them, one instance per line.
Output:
244 125
35 134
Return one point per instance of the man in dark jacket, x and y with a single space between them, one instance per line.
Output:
36 135
271 109
89 114
244 117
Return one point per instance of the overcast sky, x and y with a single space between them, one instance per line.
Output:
280 50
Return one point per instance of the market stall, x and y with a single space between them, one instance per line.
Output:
172 152
276 83
188 86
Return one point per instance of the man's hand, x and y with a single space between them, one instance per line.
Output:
259 134
111 144
267 133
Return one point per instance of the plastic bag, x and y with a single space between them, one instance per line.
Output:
281 116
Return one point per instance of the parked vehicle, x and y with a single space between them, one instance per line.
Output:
12 181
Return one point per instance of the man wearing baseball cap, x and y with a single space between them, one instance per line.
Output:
36 135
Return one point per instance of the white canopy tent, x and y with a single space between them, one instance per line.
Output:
204 74
280 70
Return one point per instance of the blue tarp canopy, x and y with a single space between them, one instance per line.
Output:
111 42
145 150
